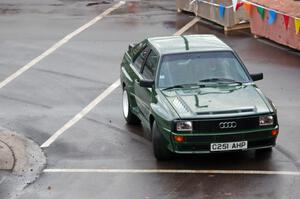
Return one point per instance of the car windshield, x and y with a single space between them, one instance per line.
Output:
200 68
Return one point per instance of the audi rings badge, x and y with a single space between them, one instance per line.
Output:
227 125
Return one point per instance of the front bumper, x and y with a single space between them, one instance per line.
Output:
200 143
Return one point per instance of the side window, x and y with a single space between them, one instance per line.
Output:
138 62
150 66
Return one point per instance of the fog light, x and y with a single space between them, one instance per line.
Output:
179 138
274 132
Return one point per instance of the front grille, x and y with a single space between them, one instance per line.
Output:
198 147
207 126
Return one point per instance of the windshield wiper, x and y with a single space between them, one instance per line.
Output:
179 86
221 80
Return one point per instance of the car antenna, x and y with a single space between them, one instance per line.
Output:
186 42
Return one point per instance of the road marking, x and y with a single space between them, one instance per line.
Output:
174 171
82 113
187 26
2 180
59 44
96 101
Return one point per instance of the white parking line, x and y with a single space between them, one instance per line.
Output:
2 180
59 44
174 171
98 99
82 113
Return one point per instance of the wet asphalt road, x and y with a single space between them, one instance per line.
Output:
44 98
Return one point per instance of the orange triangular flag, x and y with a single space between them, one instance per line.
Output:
297 25
248 7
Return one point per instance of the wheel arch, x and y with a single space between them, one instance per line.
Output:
151 121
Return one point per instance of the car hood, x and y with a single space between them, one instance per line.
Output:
219 101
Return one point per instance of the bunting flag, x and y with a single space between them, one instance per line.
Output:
297 25
234 4
286 21
248 7
272 17
238 5
261 11
222 10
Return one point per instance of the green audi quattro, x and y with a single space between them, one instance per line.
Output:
195 96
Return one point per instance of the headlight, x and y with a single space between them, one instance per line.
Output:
184 126
266 120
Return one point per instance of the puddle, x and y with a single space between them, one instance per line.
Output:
56 4
146 8
98 3
169 24
9 11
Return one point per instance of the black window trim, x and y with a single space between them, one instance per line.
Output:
142 69
143 63
134 57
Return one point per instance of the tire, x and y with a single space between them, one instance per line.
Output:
160 151
263 153
130 117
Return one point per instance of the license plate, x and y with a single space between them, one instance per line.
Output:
228 146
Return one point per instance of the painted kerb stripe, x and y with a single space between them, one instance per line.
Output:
187 26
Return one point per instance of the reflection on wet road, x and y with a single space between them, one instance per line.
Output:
44 98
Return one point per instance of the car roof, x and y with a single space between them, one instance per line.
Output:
188 43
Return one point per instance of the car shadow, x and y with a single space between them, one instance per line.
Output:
249 160
239 160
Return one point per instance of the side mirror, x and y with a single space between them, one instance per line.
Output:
130 47
257 76
146 83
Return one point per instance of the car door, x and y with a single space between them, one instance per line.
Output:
144 95
137 66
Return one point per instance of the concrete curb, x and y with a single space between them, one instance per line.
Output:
18 152
22 159
7 159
